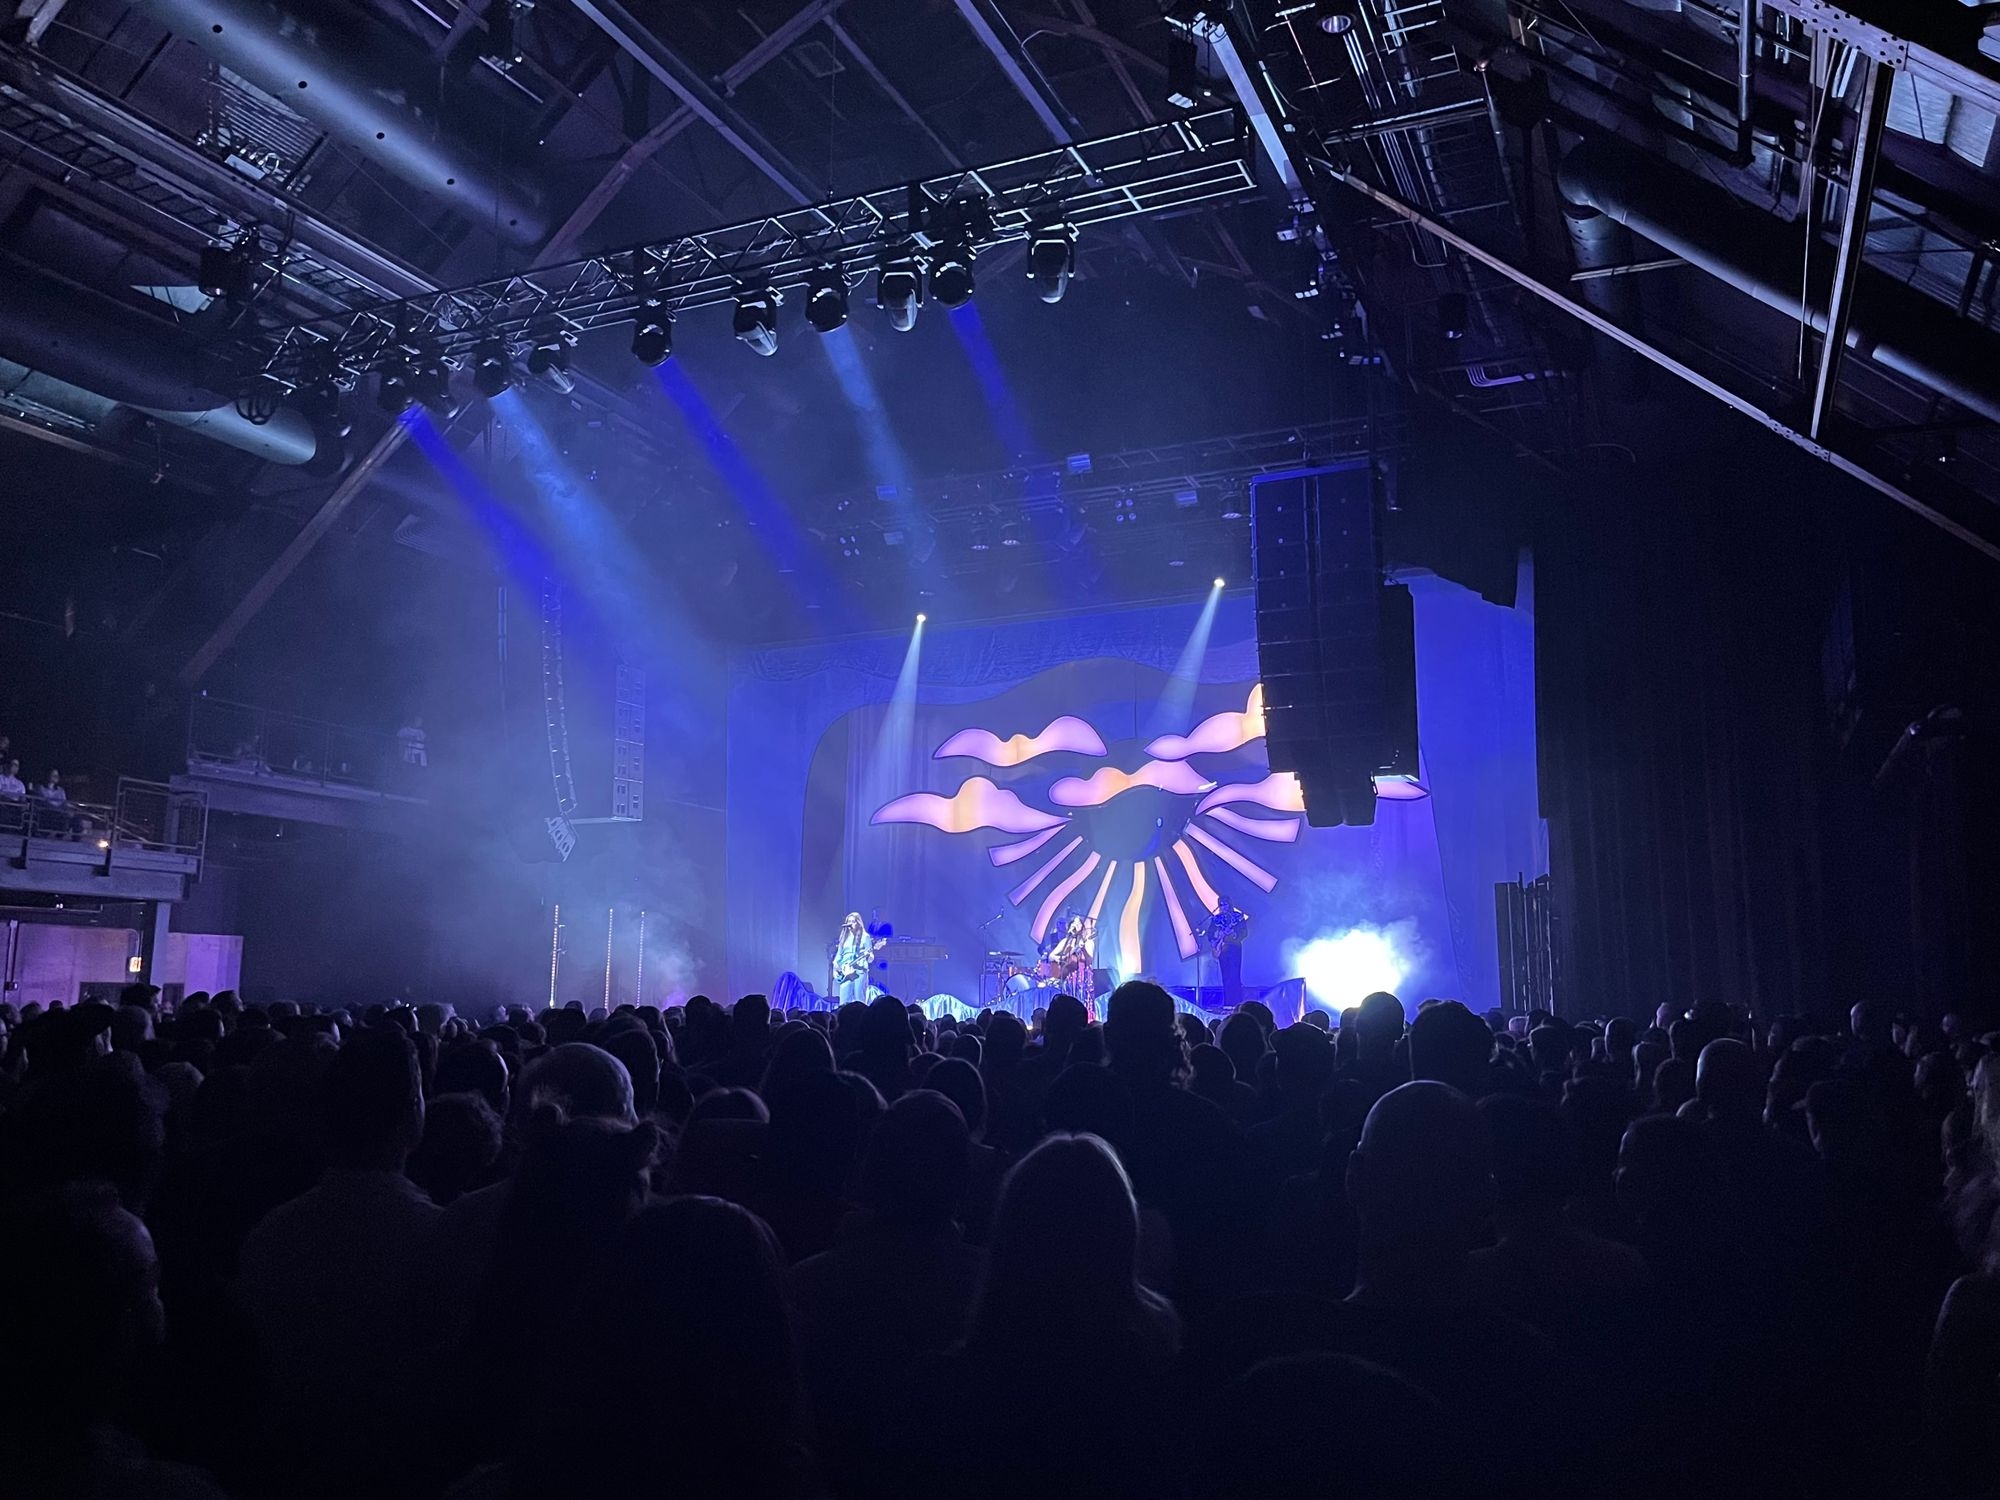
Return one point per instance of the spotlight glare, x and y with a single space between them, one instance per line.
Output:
756 320
922 618
826 299
1218 583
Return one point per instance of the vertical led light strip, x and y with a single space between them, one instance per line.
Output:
555 953
610 921
639 984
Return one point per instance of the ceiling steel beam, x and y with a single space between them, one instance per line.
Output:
1585 314
694 91
893 94
998 38
649 145
351 484
1853 237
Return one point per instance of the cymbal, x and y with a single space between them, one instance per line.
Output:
1001 953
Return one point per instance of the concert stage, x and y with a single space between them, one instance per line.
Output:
974 788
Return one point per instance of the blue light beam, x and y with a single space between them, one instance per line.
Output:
1170 714
521 557
1009 424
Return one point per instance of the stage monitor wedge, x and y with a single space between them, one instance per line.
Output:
1336 642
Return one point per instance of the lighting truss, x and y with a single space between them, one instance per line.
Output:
1163 167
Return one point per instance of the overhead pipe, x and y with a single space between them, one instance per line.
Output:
1707 226
355 79
115 354
1599 242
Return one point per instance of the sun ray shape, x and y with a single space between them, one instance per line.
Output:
1103 890
1020 892
1199 881
1129 958
1060 893
1006 854
1270 830
1183 934
1248 868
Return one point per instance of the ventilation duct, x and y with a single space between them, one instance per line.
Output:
1892 324
355 79
113 354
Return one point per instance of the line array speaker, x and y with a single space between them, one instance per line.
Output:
1336 642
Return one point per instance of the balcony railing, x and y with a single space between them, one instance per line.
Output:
239 740
147 815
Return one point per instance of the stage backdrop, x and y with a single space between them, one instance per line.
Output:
1036 767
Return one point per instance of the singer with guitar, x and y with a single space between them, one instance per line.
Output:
854 953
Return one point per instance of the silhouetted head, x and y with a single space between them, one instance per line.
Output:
473 1067
750 1022
914 1171
1243 1039
1066 1018
1664 1176
578 1079
1305 1065
1088 1100
1062 1267
1212 1069
634 1047
1141 1041
1873 1022
818 1123
86 1319
1006 1040
1449 1044
681 1344
1673 1084
958 1079
374 1100
1729 1083
796 1054
1378 1026
1422 1174
1550 1045
461 1144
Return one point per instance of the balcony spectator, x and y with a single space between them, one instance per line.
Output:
52 806
12 788
416 751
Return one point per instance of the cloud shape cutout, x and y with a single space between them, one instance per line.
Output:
1108 781
1066 733
977 804
1216 733
1279 792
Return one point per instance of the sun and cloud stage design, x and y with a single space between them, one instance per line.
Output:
1032 770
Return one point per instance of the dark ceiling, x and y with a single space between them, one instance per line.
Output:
1191 348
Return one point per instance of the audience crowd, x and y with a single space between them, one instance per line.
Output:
704 1251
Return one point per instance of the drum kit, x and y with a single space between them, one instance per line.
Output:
1016 985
